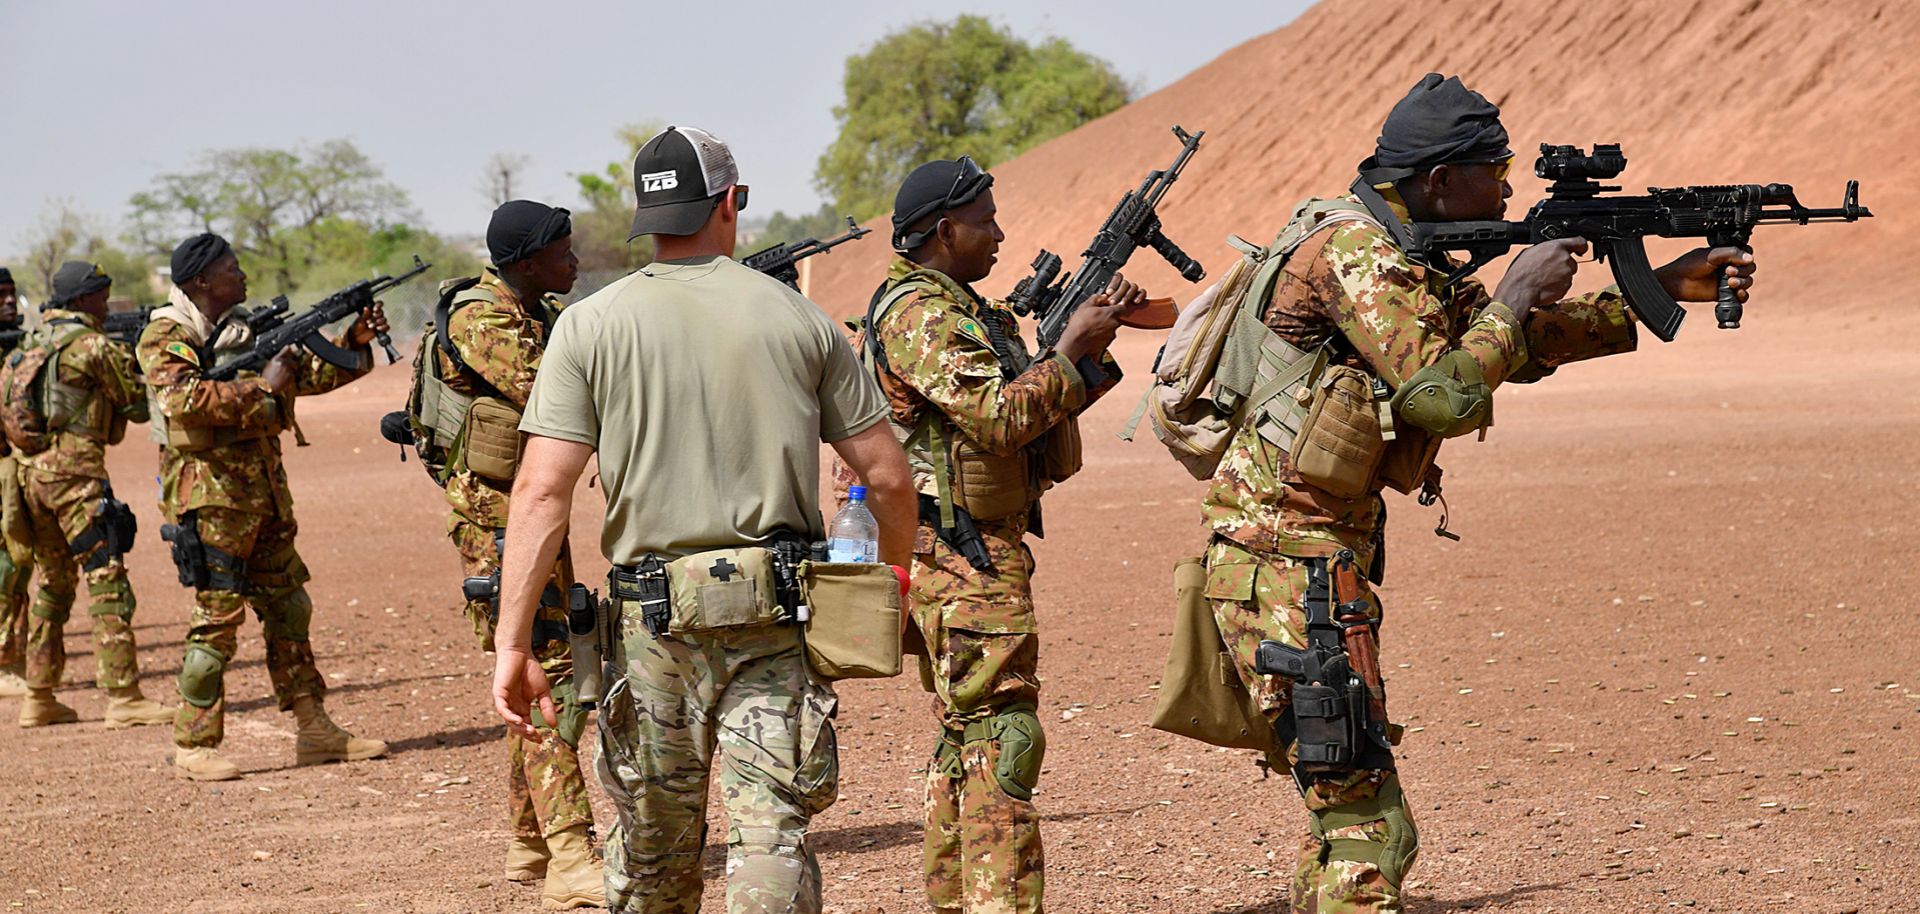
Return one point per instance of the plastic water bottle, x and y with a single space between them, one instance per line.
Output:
855 535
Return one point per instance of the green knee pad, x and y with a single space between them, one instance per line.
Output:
200 675
111 598
573 717
52 605
1023 745
1395 855
289 617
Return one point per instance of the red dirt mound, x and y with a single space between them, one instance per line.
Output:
1712 91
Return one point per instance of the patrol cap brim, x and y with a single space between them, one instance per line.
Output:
672 218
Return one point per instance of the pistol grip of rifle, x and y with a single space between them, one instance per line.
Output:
1649 300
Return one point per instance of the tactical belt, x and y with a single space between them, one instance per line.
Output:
646 583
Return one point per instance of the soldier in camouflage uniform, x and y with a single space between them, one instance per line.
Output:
972 404
663 375
16 559
221 478
497 328
1383 309
89 390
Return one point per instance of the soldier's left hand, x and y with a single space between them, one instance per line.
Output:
1695 276
371 322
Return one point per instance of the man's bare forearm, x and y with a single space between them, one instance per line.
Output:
542 506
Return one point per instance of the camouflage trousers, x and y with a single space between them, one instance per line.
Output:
748 693
61 509
546 791
982 850
16 573
1362 839
274 585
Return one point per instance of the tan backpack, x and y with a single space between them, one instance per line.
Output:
1222 367
33 403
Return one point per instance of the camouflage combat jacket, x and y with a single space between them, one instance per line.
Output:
501 344
105 369
1393 318
246 475
939 356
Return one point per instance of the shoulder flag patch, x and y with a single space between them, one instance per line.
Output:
184 351
970 327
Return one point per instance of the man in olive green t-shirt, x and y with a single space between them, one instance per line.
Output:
706 389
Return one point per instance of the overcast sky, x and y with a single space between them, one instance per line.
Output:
98 97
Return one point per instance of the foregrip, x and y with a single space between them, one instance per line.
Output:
1190 269
1727 309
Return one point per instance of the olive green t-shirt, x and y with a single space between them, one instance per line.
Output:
706 388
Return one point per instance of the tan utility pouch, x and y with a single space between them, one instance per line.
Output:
1060 455
991 487
1201 696
492 449
723 588
854 628
1340 444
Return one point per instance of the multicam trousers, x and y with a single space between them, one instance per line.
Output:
275 588
1363 839
61 508
748 693
982 851
546 790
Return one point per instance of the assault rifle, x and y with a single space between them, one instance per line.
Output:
278 331
1723 214
1133 224
781 260
124 327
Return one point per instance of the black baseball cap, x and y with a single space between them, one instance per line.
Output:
934 187
677 179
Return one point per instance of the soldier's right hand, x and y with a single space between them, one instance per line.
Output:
281 370
1091 328
1541 275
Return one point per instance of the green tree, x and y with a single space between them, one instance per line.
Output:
600 228
281 208
940 90
65 233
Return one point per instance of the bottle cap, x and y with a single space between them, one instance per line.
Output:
857 493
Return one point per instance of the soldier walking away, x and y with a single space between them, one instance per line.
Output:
224 491
1389 346
69 395
16 560
666 375
486 349
988 428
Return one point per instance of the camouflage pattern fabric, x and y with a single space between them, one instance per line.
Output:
983 849
62 508
1392 318
546 789
501 344
747 692
247 475
275 583
96 363
1257 597
14 591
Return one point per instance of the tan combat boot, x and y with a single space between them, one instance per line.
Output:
202 763
322 740
575 877
129 708
40 709
527 859
12 684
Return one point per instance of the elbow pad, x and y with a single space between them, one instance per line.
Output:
1448 398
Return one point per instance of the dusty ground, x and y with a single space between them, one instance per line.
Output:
1671 663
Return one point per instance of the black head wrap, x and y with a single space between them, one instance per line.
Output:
520 228
6 277
196 254
77 279
1441 121
935 187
